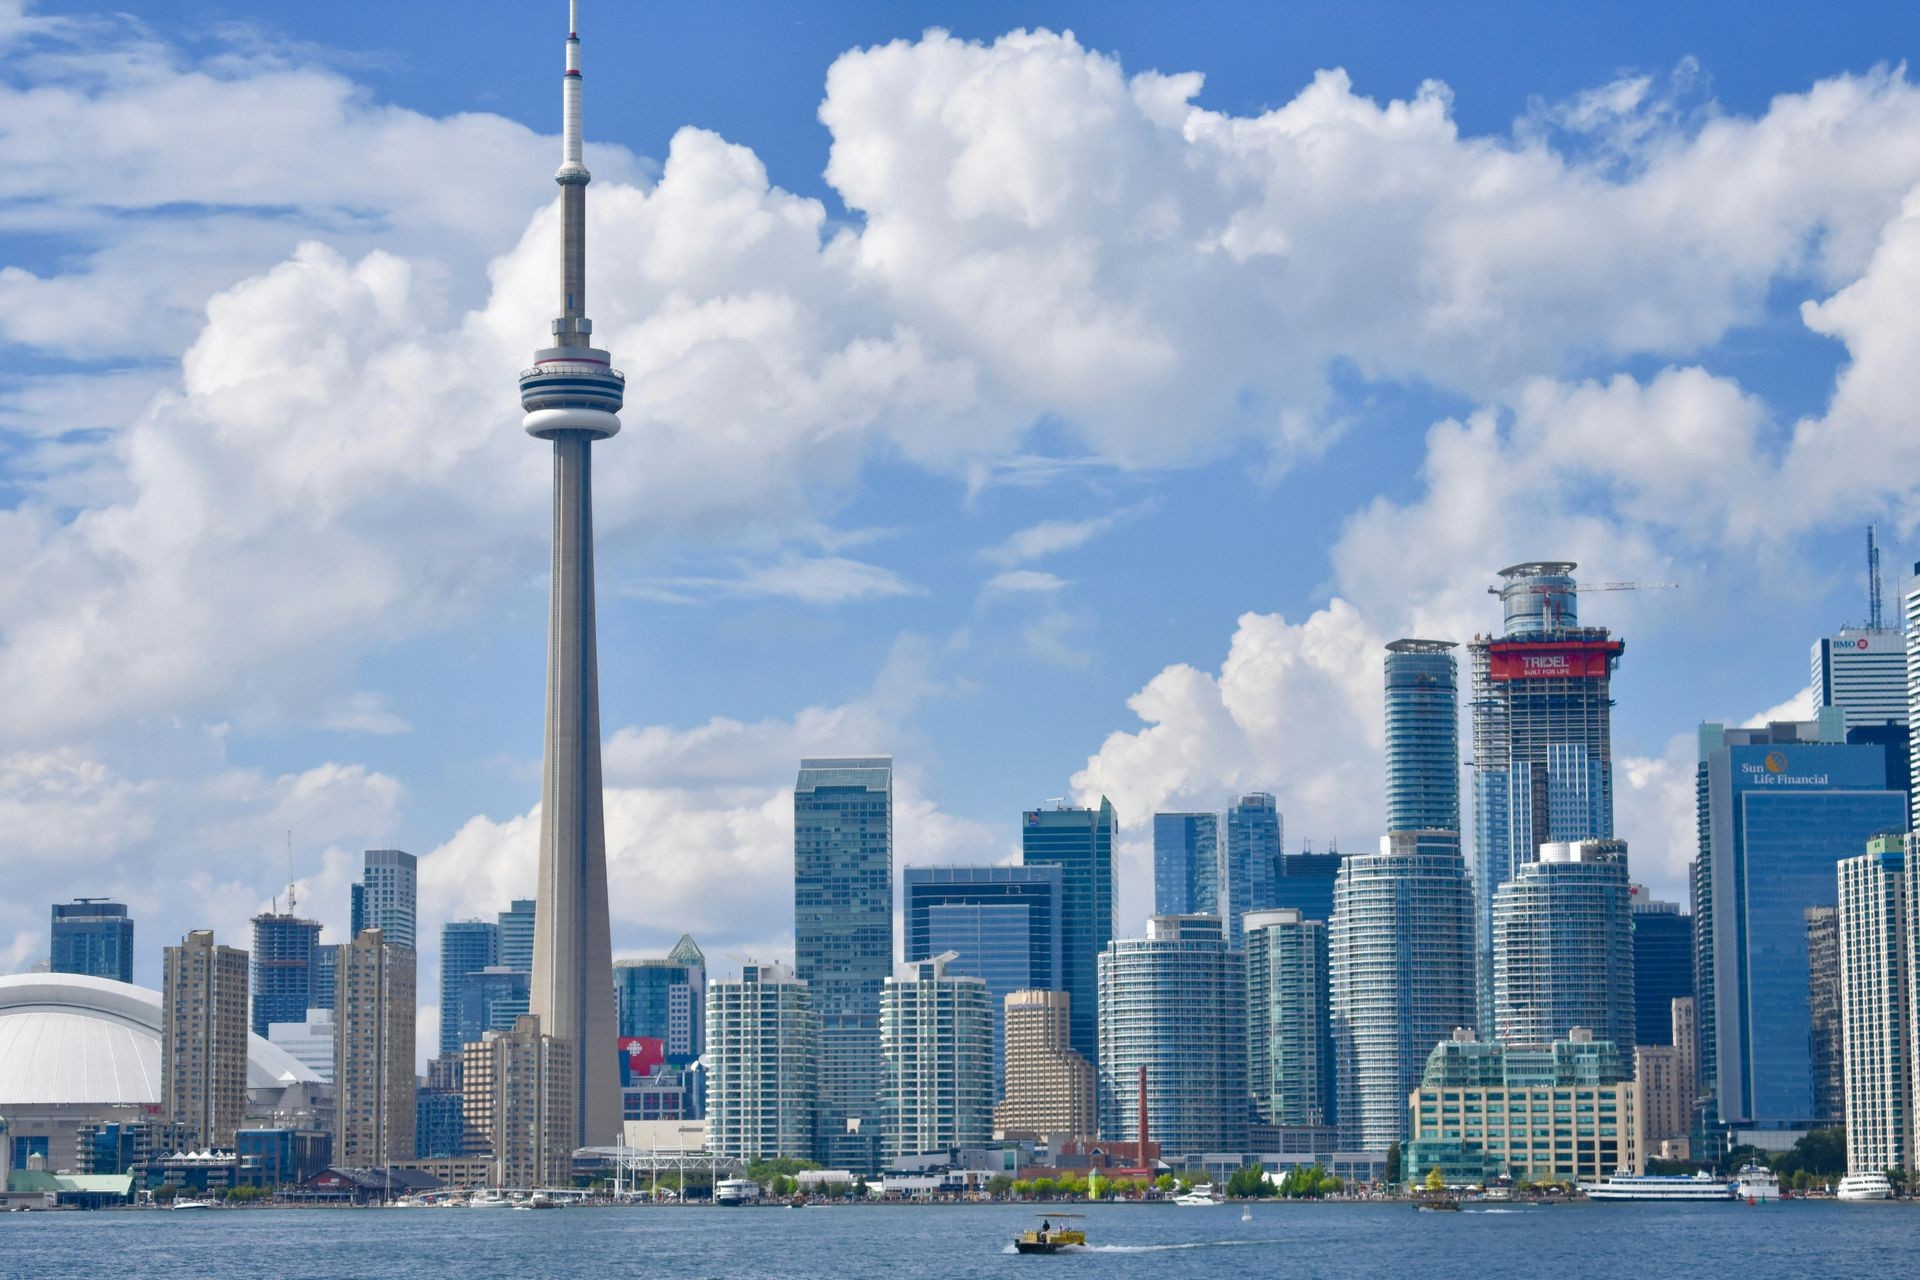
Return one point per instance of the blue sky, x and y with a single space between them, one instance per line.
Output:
1003 401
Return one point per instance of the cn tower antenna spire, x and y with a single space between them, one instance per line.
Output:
572 396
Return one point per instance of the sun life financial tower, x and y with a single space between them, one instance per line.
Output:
571 395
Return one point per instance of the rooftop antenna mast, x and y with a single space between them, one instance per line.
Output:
1875 614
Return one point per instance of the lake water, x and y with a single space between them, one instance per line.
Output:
1635 1242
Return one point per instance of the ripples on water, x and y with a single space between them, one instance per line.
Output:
1298 1241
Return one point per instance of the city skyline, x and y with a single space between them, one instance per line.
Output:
992 704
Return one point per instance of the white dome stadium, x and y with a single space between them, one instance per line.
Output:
66 1039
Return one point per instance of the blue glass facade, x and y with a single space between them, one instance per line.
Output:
1305 883
94 937
490 999
1003 923
843 939
1080 843
516 935
281 977
1423 736
439 1124
1186 864
1785 805
664 999
466 946
1254 837
1662 968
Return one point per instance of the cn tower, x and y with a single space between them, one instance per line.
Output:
572 395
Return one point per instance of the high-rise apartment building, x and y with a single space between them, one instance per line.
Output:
1664 1110
1289 1041
1782 806
664 998
1002 925
466 946
516 935
1186 864
1862 671
1080 842
763 1051
843 939
326 962
1876 1006
936 1039
373 1065
1423 736
526 1077
1823 1010
1174 1002
1912 617
1662 965
1049 1087
92 936
1563 947
203 1038
1685 1033
1401 976
1542 737
282 979
386 898
1255 832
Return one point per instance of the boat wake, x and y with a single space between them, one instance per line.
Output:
1152 1248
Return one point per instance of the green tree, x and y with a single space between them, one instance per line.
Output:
1163 1183
1023 1187
1044 1187
999 1184
1393 1162
1436 1181
165 1193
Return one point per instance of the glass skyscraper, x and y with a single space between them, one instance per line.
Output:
1305 883
491 999
92 936
664 999
1782 806
1423 736
1174 1003
1662 966
1542 737
1563 947
1080 843
516 935
1186 864
386 897
1001 923
843 939
1289 1042
1255 832
282 969
466 946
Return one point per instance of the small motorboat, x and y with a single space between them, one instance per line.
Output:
1048 1238
1200 1197
192 1204
1439 1204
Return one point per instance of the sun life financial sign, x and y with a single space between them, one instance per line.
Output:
1774 771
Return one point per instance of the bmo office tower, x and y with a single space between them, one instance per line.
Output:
843 941
1542 738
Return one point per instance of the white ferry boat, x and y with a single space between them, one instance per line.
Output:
1864 1186
1652 1186
1756 1183
736 1191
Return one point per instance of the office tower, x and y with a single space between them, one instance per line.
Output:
1862 671
1186 864
664 999
1664 1113
1563 946
373 1080
466 946
326 961
936 1040
491 999
1080 843
1174 1002
1662 965
1049 1087
1783 804
203 1049
1423 736
529 1079
1876 1011
1542 737
1305 882
1001 923
763 1050
439 1123
386 895
93 936
843 939
1699 894
1400 962
1684 1024
1254 834
572 396
1289 1042
309 1040
1568 1111
516 935
282 980
1823 1011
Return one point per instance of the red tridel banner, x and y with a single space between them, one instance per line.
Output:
1551 661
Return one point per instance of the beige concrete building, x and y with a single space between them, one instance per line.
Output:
1049 1087
373 1077
203 1051
516 1098
1656 1069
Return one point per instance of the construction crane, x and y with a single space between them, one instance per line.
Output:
1551 591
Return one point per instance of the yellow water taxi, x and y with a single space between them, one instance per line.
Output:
1049 1237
